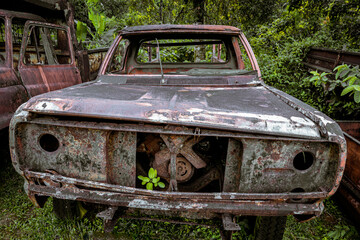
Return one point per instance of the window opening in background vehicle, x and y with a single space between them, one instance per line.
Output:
244 56
117 61
2 41
47 46
17 32
183 51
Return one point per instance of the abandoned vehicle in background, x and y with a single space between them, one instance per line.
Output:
188 102
51 58
49 50
47 60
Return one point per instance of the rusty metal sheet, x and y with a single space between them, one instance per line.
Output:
44 78
268 166
121 158
351 127
85 184
349 190
29 16
349 202
233 164
252 165
247 109
41 79
157 128
352 169
258 208
11 98
170 28
80 153
12 94
328 129
326 60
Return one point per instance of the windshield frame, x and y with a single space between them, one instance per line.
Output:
136 40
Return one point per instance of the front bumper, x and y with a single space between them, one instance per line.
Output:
273 204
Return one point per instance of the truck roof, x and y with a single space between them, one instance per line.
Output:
171 28
29 16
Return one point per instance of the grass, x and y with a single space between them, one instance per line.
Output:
19 219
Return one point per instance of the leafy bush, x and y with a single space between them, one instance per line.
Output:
351 76
280 53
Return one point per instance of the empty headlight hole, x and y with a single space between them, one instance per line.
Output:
303 160
49 142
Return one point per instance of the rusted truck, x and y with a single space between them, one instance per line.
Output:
49 45
44 64
51 59
183 105
45 60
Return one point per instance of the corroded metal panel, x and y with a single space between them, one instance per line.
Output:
41 78
171 29
247 208
233 166
12 94
326 60
246 109
351 127
24 15
81 153
121 162
352 169
349 190
268 166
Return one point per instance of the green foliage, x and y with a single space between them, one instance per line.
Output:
104 27
342 232
330 225
319 78
282 45
333 91
350 76
152 180
327 83
81 31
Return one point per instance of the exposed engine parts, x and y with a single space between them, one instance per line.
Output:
192 157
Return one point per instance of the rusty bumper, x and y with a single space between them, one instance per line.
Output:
276 204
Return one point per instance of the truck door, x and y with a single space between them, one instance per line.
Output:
47 60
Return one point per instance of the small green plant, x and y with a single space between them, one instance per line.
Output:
350 76
319 78
152 180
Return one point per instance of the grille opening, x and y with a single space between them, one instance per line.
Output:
303 161
49 143
200 162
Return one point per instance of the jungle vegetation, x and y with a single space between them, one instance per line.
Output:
280 33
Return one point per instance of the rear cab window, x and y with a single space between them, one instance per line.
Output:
182 51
